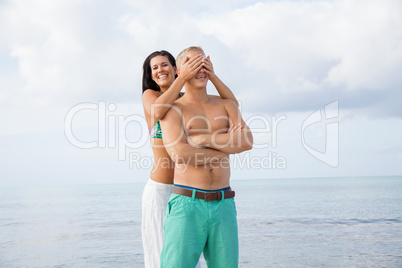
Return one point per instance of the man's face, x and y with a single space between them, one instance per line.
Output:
200 80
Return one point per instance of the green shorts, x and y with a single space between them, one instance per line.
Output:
193 226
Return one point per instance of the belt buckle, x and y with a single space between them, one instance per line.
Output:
209 197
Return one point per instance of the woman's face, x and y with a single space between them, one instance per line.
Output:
163 73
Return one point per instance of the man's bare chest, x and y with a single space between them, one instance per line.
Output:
203 120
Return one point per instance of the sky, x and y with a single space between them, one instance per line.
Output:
319 83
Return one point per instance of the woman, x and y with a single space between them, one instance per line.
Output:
161 87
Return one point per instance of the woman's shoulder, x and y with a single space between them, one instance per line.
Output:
151 92
150 95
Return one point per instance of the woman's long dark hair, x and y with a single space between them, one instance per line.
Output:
147 81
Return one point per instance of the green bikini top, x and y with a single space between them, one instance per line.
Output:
156 131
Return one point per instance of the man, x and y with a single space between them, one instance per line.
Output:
200 132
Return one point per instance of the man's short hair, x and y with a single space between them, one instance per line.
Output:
182 55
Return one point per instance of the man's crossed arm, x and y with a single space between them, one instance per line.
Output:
213 146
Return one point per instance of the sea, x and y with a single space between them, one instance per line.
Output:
304 222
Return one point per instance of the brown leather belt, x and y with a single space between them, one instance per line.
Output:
207 196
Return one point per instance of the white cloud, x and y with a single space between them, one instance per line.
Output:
71 50
315 46
66 50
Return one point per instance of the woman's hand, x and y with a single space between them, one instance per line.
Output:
209 67
191 67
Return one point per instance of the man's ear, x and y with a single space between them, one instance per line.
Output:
178 71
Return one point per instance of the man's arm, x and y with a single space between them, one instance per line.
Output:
236 140
175 142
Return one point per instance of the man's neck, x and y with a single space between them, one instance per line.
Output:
196 95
